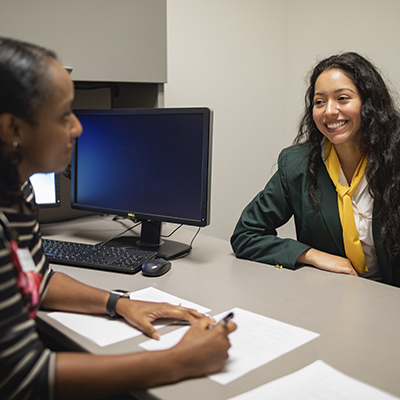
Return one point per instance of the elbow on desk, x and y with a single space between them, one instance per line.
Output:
244 248
239 246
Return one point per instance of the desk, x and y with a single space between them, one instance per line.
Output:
358 320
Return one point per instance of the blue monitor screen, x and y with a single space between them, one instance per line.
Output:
148 163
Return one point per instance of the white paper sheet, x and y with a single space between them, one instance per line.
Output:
315 382
105 331
158 296
256 341
101 330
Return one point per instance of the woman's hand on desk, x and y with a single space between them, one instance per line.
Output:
141 314
327 262
203 351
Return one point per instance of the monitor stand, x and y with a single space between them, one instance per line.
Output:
150 239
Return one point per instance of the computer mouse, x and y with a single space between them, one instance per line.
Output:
156 267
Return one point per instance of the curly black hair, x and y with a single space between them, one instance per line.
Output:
23 87
379 139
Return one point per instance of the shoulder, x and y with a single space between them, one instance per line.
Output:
295 157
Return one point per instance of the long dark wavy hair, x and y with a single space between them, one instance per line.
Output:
379 139
24 85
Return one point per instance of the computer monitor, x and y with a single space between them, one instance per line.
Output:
47 189
153 165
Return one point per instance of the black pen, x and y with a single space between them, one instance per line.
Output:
224 320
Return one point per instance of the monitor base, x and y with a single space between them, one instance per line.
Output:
167 249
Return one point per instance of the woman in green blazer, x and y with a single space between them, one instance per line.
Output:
349 112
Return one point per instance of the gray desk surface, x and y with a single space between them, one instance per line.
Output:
358 320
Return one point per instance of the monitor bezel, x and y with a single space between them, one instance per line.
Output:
206 178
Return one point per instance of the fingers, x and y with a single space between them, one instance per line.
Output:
344 266
189 314
230 327
166 310
152 332
141 314
204 323
351 271
144 325
149 330
205 350
227 328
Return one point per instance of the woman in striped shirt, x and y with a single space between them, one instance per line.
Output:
37 133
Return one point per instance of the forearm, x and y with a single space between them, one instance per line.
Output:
201 351
309 257
66 294
255 235
268 249
88 376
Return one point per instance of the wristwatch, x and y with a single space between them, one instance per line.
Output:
115 295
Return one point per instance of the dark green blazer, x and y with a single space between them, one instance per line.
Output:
286 195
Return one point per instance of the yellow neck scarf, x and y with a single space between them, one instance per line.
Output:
352 244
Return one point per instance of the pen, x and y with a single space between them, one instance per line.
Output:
224 320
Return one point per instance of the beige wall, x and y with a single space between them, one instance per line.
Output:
247 60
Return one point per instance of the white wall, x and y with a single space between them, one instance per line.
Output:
248 60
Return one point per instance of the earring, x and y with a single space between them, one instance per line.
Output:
15 144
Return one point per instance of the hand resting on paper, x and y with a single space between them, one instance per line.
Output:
141 314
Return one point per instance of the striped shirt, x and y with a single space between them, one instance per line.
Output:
27 368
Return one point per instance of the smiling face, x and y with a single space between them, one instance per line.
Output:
47 145
337 108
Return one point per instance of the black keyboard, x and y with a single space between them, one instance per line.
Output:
117 259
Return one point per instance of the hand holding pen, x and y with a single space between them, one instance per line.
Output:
223 320
207 342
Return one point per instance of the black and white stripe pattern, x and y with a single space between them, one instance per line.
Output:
25 371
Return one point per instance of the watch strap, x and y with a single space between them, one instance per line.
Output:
115 295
